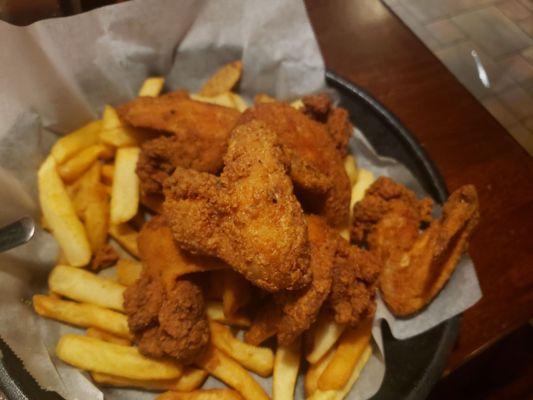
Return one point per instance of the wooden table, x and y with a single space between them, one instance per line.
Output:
363 41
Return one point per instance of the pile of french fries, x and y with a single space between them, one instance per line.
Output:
89 194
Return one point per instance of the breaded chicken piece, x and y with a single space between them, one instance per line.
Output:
416 264
336 119
200 133
290 313
248 217
315 165
167 321
355 278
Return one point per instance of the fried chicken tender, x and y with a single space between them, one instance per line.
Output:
167 321
416 264
315 165
337 120
200 133
248 217
355 279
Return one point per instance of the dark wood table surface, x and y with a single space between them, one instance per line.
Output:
363 41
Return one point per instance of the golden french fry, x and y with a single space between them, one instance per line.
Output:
257 359
96 217
350 166
351 346
82 314
81 285
81 190
365 178
286 366
126 236
107 336
298 104
191 379
108 171
223 99
128 271
81 162
60 215
325 334
238 102
152 86
115 133
314 371
125 195
223 80
236 291
214 312
341 394
231 373
204 394
95 355
263 98
74 142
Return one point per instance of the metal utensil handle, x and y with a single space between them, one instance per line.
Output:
17 233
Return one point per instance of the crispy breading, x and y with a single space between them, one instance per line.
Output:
248 217
417 264
315 165
104 257
199 137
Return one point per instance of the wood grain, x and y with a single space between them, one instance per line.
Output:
364 42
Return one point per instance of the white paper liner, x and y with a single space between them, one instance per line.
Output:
57 74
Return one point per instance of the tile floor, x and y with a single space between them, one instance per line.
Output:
496 33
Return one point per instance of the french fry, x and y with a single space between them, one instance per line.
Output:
83 286
325 335
350 166
341 394
74 142
351 346
61 217
204 394
95 355
108 171
96 217
107 337
314 371
238 102
236 291
125 195
191 379
298 104
126 236
128 271
286 366
115 133
81 162
231 373
81 190
214 312
152 86
82 314
257 359
223 99
365 178
223 80
263 98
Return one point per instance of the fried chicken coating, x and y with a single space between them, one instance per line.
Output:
200 133
416 264
355 279
167 321
315 165
248 217
337 120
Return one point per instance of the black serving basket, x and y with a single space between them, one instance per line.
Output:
413 365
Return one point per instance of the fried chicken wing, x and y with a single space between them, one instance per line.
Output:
337 120
248 217
416 264
315 165
355 278
200 132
